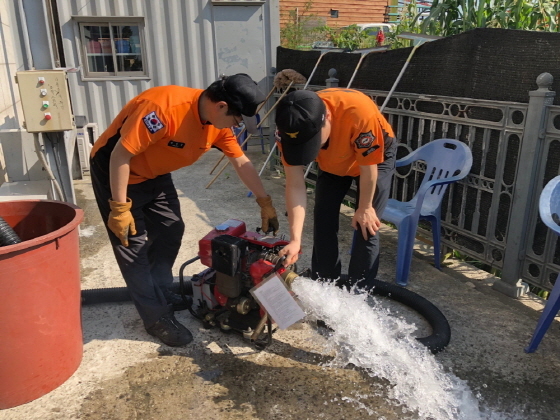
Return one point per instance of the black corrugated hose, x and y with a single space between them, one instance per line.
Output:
114 294
441 332
436 342
120 294
7 235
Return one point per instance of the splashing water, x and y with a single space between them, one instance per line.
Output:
381 344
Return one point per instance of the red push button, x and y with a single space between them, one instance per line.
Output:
48 116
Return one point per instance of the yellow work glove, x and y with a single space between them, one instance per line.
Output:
268 215
121 221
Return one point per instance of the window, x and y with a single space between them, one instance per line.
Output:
112 47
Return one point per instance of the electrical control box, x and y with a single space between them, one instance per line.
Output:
45 100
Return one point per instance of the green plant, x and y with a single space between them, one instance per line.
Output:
458 255
542 293
350 37
301 29
408 22
451 17
541 15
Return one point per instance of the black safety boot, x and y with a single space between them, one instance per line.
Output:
170 331
179 304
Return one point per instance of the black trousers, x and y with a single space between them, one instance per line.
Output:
146 264
330 191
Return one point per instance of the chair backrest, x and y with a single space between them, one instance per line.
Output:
549 204
447 160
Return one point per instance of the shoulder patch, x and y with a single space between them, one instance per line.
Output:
152 122
364 140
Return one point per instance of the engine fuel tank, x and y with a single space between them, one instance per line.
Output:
231 227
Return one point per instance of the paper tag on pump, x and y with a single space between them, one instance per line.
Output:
276 299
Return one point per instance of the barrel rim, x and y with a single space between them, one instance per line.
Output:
49 237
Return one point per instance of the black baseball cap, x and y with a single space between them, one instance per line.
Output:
300 115
244 95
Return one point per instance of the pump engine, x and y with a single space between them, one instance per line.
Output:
237 261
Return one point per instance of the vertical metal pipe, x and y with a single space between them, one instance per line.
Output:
43 161
26 42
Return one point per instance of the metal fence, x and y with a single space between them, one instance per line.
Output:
491 215
541 262
475 211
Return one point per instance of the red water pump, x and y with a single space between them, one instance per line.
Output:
238 261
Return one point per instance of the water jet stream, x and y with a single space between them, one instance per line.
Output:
373 339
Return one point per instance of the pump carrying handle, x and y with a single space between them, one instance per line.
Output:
279 263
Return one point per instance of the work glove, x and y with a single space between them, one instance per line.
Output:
268 215
121 221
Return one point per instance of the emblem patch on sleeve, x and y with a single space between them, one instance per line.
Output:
153 123
364 140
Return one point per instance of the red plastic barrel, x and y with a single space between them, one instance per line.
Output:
40 320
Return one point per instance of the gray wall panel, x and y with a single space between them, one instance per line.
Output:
179 46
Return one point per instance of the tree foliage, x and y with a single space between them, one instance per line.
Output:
298 29
350 37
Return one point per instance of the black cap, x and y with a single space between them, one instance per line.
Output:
244 95
300 115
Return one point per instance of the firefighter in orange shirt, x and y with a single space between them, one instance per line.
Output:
163 129
343 130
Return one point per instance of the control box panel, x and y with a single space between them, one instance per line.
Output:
45 100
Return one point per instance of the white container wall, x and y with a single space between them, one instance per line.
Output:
185 42
115 49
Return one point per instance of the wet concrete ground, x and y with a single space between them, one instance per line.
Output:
127 374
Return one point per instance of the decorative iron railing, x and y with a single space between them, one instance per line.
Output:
541 262
491 215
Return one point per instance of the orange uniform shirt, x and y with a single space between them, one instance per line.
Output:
162 128
358 136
